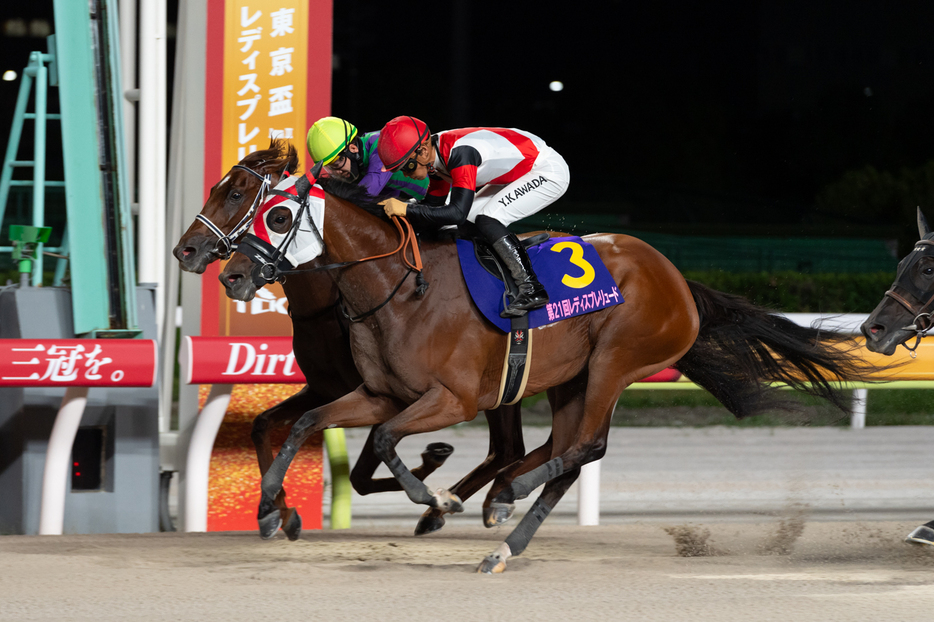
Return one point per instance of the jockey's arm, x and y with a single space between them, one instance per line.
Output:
463 165
454 213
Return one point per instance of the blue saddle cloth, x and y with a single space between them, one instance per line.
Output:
569 268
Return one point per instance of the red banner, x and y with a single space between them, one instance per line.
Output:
77 362
239 360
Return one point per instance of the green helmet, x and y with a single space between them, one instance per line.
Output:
328 137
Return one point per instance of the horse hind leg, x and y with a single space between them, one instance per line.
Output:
519 538
506 446
362 480
434 410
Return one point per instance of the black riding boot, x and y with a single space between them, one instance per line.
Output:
532 294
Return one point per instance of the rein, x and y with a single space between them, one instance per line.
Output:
922 323
407 240
270 262
225 241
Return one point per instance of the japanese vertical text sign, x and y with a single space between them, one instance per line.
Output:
77 362
268 76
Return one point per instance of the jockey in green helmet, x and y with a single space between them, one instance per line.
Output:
353 158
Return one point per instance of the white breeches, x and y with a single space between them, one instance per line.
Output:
538 188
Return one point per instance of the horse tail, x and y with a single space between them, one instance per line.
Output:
742 351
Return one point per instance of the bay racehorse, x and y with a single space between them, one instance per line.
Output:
321 344
429 359
905 314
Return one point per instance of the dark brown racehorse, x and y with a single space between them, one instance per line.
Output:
430 361
322 346
905 314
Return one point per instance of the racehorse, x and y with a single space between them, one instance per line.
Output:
429 359
321 344
905 313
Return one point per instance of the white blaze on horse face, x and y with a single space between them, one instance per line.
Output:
223 181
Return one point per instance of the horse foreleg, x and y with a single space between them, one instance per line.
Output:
497 511
506 447
361 478
543 464
355 409
520 537
436 409
289 409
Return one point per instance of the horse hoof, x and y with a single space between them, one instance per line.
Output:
436 453
293 525
429 523
447 502
921 535
269 525
492 564
498 513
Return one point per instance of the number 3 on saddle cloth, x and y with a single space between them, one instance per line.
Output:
572 272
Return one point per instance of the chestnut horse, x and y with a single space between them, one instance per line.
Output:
430 361
321 344
905 313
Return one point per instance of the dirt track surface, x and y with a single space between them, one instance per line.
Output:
835 571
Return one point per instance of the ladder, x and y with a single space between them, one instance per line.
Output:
44 77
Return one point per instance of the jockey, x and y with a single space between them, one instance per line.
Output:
495 176
345 155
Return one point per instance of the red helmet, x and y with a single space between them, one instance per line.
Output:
399 139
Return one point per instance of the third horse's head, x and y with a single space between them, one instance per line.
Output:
906 309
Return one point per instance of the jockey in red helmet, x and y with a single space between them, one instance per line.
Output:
495 176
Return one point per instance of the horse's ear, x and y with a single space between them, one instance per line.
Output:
923 227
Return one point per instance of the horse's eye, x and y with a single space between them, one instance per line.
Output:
236 196
928 271
279 220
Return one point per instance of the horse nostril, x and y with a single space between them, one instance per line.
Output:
233 278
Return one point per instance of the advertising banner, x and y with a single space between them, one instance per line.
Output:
239 360
77 362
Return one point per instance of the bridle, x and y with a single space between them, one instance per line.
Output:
271 264
225 244
922 313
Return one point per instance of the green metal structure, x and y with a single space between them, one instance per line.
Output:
25 240
83 62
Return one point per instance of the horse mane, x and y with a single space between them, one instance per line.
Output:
353 193
280 155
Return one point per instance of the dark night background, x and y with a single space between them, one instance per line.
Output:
769 117
754 117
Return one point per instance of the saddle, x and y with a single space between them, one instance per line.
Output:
491 262
515 368
570 269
